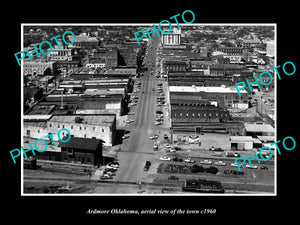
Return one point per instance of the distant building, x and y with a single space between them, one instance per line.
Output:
250 43
62 54
86 42
171 38
38 67
271 48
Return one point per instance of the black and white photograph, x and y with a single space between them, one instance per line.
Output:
164 112
107 113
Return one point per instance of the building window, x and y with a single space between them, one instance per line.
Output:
50 124
102 129
71 127
58 126
79 128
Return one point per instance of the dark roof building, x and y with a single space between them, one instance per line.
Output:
83 150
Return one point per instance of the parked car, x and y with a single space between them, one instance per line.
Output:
129 121
235 165
189 160
205 161
263 168
131 113
251 167
147 165
106 176
167 145
165 158
154 136
125 136
220 163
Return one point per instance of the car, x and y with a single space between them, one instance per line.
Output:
131 113
167 145
106 176
263 168
114 165
236 154
165 158
133 104
220 163
205 161
189 160
251 167
173 178
129 121
235 165
177 148
111 167
158 123
147 165
125 136
154 136
109 173
172 150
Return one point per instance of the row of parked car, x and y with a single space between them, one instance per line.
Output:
208 162
110 170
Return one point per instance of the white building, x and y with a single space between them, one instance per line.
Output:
271 48
171 38
86 126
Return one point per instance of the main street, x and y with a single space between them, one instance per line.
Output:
138 148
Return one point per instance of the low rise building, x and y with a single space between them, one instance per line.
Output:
85 126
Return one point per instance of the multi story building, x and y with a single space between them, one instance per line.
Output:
171 38
85 126
38 67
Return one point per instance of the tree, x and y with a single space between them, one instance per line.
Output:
197 169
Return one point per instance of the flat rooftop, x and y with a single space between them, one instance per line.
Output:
259 128
205 89
86 119
109 91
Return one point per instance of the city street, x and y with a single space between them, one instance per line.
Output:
138 148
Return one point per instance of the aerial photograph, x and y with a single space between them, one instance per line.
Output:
106 112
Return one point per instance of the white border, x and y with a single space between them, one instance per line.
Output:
150 24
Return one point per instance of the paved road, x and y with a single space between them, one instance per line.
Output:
137 149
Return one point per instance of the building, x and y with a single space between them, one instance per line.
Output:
31 95
250 43
68 67
83 41
197 78
85 126
83 150
271 48
171 38
38 67
231 50
63 54
225 69
255 130
241 142
220 96
174 65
